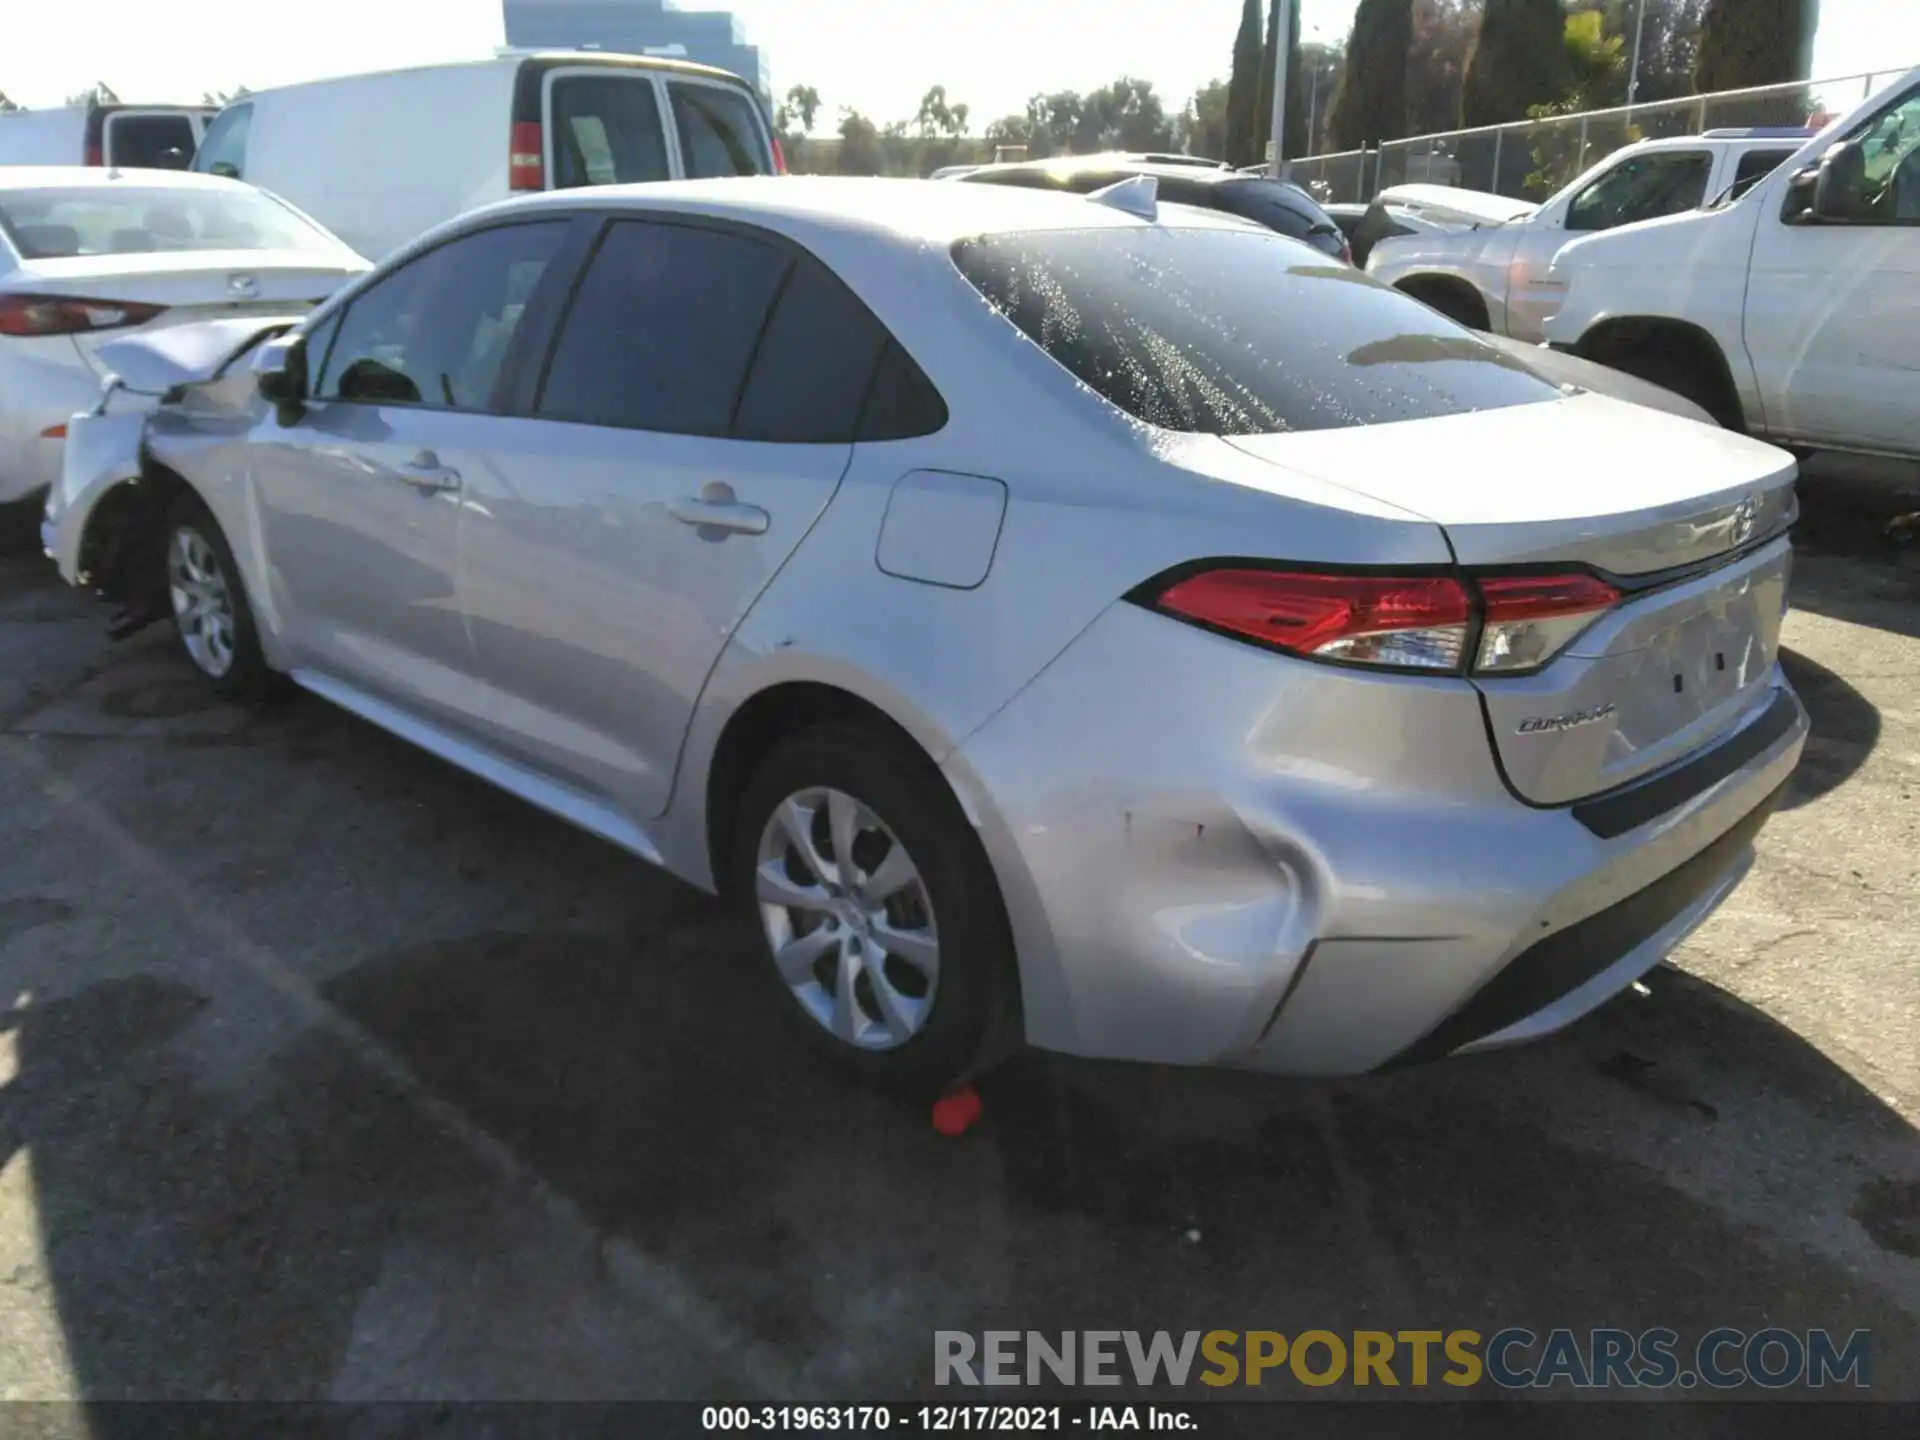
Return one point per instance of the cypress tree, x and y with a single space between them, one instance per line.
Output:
1371 104
1243 88
1519 60
1755 42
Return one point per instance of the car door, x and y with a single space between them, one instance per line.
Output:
692 418
1833 304
360 497
1640 187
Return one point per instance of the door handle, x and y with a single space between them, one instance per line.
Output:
728 515
425 473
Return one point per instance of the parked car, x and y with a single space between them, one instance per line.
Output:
1275 204
1047 618
143 137
1493 275
1367 225
1792 312
86 255
380 158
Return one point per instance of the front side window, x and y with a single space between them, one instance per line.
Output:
606 131
719 132
1889 165
224 150
1236 332
115 218
1644 188
660 332
436 331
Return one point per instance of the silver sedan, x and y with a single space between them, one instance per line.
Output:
1052 618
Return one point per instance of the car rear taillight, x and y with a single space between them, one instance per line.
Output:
526 157
1491 624
779 157
31 316
95 154
1411 622
1528 619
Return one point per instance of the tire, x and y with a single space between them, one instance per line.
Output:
1681 370
963 1018
1459 305
208 602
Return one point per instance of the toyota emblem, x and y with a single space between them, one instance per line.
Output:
243 287
1744 516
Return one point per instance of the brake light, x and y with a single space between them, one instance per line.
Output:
779 157
1528 619
32 316
95 154
526 157
1412 622
1402 622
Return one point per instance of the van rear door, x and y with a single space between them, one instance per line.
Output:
718 129
613 123
156 139
604 126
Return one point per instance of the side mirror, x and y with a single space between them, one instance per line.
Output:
1837 185
280 372
1797 205
225 169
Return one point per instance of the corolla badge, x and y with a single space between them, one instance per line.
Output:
1547 724
243 287
1745 515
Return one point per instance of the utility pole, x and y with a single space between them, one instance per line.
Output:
1282 64
1633 74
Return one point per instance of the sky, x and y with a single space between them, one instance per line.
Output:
877 56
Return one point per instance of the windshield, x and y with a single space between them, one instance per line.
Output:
1228 332
116 219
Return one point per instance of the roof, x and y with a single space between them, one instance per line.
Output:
1204 172
514 58
916 210
68 177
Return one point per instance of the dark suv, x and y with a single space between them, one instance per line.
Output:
1275 204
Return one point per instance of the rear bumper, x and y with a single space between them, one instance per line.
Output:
42 384
1320 871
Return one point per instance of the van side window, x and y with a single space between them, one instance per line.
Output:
606 131
719 134
435 332
661 329
223 150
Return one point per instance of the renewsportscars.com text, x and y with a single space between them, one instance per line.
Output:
1512 1358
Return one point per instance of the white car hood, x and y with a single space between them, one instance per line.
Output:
153 362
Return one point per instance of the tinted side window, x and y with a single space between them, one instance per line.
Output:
223 151
903 402
606 131
150 142
1643 188
1025 179
659 335
719 134
815 363
1266 205
1755 166
436 331
1235 332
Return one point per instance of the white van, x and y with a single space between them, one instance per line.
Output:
380 158
132 137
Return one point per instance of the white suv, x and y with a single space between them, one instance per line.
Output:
1494 276
1793 312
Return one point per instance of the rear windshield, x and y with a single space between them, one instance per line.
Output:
118 219
719 134
1230 332
606 131
150 142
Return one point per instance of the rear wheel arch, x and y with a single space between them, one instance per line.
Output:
1452 296
1676 354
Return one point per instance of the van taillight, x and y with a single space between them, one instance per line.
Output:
95 154
779 157
526 157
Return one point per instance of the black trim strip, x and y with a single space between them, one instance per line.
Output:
1568 959
1632 805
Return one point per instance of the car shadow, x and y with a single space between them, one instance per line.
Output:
1846 728
1847 566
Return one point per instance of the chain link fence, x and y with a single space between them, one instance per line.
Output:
1531 159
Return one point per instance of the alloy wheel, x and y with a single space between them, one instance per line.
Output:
202 601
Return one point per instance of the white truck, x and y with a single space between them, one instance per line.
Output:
1491 273
1792 312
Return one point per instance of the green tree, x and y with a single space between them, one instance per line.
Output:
860 152
802 105
1371 104
7 107
1518 61
1243 88
1443 32
1201 128
1596 64
1756 42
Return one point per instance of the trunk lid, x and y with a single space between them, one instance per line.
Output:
158 359
1674 513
